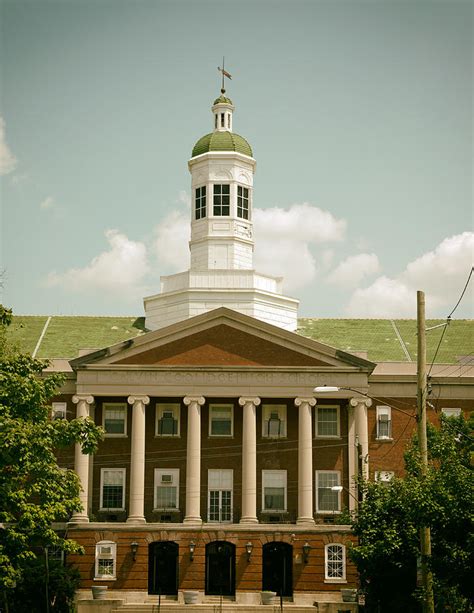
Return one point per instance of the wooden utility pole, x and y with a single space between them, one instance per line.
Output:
425 532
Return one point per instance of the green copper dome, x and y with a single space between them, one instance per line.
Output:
222 99
222 141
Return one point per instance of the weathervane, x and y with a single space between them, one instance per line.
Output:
224 74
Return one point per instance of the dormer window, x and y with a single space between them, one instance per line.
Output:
200 202
221 200
242 202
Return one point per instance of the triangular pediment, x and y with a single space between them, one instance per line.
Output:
222 338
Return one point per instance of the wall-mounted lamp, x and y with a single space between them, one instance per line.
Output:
306 550
134 548
192 547
248 549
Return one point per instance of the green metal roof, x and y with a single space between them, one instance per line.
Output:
222 141
222 99
384 340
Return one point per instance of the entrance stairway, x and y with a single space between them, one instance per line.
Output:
211 606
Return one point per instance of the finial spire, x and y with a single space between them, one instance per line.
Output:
224 74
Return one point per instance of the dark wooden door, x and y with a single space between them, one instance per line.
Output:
163 568
277 571
220 568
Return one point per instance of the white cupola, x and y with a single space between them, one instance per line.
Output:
221 271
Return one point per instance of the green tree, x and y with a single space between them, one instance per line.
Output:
387 525
34 490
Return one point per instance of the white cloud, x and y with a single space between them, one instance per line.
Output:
8 161
120 268
283 238
47 203
353 269
171 240
441 274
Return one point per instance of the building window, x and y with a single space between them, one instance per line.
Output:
242 202
274 420
56 554
167 419
166 489
327 421
220 420
105 560
328 500
114 418
220 485
384 422
384 476
274 490
454 412
58 410
221 200
335 562
112 489
222 119
200 202
228 120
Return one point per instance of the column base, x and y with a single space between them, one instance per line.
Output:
308 521
136 519
248 520
79 519
192 520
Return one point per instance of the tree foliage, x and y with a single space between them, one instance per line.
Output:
388 522
34 491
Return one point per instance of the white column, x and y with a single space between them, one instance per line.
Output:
362 430
305 461
352 456
136 513
81 460
249 460
193 460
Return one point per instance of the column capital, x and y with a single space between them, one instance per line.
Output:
200 400
365 401
300 401
84 398
142 399
255 400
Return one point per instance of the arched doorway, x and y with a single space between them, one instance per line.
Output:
220 568
163 568
277 571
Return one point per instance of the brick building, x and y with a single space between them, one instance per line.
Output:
222 471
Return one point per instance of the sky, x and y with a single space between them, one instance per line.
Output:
359 114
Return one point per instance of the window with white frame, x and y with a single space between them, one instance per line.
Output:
328 491
242 202
220 420
114 418
274 420
200 202
384 476
335 562
220 485
167 419
166 489
221 199
112 489
105 560
451 412
58 410
384 422
327 421
273 490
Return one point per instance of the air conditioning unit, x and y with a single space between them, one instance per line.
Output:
384 476
166 478
168 415
105 550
